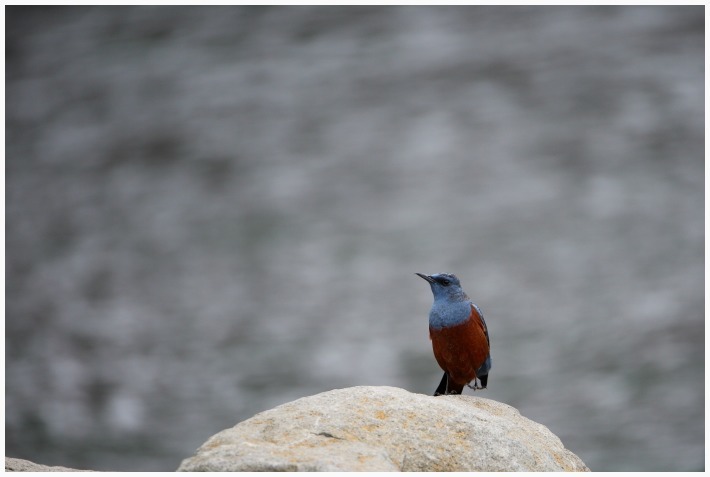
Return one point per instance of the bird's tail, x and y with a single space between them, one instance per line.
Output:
446 386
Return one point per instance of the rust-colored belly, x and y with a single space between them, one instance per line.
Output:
460 350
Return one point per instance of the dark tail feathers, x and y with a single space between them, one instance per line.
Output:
447 387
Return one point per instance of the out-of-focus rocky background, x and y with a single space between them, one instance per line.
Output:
213 211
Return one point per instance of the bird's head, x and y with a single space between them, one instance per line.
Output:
446 286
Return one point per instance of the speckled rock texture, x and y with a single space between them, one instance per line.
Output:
21 465
385 429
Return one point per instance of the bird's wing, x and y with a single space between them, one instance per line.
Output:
482 322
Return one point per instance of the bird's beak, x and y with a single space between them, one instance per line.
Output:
425 277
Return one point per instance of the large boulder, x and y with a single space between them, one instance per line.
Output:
385 429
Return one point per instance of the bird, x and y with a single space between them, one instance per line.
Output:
459 336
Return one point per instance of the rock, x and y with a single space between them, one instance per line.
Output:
21 465
385 429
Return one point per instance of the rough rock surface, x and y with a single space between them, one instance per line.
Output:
385 429
21 465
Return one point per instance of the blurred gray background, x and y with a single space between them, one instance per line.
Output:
213 211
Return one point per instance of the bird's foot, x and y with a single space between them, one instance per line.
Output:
476 385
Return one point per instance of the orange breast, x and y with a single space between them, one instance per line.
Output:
460 350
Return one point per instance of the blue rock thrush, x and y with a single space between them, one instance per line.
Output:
459 336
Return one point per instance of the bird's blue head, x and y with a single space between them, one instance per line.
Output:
445 286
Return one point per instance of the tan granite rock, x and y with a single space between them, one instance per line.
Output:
385 429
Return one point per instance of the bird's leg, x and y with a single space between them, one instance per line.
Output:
475 384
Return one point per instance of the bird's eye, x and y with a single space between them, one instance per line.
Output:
445 282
